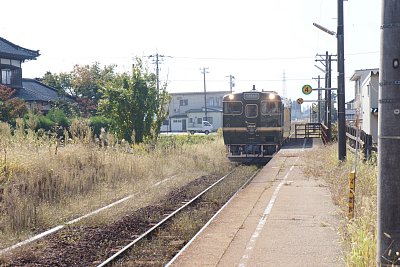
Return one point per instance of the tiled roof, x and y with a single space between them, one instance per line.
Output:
34 90
13 51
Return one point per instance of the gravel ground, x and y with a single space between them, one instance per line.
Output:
89 245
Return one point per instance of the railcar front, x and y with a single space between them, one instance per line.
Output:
253 125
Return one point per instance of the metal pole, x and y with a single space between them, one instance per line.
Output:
326 114
319 99
341 85
329 100
205 92
157 74
388 242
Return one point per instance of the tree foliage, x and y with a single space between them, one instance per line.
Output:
133 103
10 107
84 83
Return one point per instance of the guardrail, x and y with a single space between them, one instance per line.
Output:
319 130
324 134
307 130
363 141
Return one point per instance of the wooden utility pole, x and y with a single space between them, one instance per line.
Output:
388 241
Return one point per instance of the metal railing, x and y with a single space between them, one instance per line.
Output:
320 130
307 130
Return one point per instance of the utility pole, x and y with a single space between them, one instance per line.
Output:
388 241
231 82
326 60
157 61
329 94
319 99
284 93
204 71
341 85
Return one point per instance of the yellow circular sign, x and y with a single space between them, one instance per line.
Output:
307 89
300 101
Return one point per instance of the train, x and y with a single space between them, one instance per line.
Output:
255 125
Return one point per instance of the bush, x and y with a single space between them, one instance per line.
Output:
98 122
45 123
58 117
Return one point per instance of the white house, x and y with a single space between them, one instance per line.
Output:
366 100
188 109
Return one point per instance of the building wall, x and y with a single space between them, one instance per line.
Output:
182 102
366 98
182 105
195 119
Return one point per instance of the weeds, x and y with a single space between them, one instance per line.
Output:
358 234
44 182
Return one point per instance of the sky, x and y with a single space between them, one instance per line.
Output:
258 41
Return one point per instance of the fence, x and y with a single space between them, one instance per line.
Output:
307 130
363 141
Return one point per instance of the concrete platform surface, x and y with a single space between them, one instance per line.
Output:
282 218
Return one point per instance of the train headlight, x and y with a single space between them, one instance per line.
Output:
231 97
271 96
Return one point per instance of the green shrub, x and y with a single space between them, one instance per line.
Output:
98 122
45 123
58 117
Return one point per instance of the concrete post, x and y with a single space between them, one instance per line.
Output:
388 241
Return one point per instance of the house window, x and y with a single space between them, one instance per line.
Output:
190 120
166 122
6 76
211 102
199 120
218 101
183 102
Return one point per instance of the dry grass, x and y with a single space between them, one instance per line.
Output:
43 184
358 234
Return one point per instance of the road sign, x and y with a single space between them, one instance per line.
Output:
306 89
300 101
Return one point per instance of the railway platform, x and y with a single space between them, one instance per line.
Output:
281 218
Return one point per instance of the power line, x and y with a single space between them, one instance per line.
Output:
264 58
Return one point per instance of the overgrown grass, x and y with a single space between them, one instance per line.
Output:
43 184
358 234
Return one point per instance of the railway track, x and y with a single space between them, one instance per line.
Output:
163 238
149 237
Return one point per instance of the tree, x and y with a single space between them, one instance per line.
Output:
133 103
84 83
10 107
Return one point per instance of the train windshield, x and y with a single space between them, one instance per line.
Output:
270 107
233 108
251 111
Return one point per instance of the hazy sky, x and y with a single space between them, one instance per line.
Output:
254 40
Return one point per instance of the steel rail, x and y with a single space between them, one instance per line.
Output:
212 218
119 253
73 221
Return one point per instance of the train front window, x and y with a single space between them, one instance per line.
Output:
233 108
269 107
251 111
